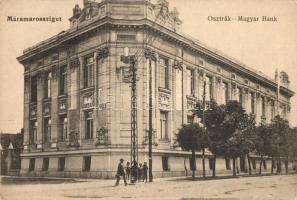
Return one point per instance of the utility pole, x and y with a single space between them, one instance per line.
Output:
131 60
203 121
150 123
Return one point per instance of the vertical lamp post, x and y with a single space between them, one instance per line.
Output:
131 61
150 123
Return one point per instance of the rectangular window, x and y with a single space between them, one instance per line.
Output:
192 164
89 125
254 163
165 164
264 164
88 72
190 82
253 103
32 164
33 89
47 129
164 73
242 163
208 88
240 96
272 109
87 163
63 127
45 164
263 106
225 93
47 85
61 164
228 165
211 163
190 119
33 132
63 80
163 125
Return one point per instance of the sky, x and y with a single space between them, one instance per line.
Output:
263 46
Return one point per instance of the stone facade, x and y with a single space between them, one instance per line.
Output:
77 92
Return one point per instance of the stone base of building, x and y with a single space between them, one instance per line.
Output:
102 164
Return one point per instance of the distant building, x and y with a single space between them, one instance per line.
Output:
77 91
10 152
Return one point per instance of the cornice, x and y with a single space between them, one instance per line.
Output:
107 22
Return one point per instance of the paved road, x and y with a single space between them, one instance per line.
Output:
249 188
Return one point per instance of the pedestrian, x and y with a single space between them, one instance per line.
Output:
121 172
134 172
144 172
139 172
128 170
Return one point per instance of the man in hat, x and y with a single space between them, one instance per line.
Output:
121 172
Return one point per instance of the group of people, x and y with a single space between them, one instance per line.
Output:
135 172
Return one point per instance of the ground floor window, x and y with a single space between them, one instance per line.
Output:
87 163
264 164
211 163
254 163
165 164
61 164
32 164
192 164
45 164
228 165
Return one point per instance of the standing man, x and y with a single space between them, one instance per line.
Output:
121 172
144 172
128 170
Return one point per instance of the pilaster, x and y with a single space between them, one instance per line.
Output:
40 95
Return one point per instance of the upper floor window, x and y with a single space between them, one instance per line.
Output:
33 89
47 129
88 72
164 73
190 82
47 85
63 80
263 106
33 132
225 93
63 127
163 125
208 88
253 103
88 125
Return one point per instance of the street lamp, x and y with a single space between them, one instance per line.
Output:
131 61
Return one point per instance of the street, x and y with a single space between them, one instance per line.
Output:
266 187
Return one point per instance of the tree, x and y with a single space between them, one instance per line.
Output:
279 131
238 128
213 118
262 142
192 137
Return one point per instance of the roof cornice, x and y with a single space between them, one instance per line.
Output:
69 35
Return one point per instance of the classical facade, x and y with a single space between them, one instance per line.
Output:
77 92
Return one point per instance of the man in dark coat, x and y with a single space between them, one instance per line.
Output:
128 170
144 172
121 172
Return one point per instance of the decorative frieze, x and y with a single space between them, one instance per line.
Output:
74 63
102 53
102 136
47 108
88 100
62 105
178 64
150 54
164 101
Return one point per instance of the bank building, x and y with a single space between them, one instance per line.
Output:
77 91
